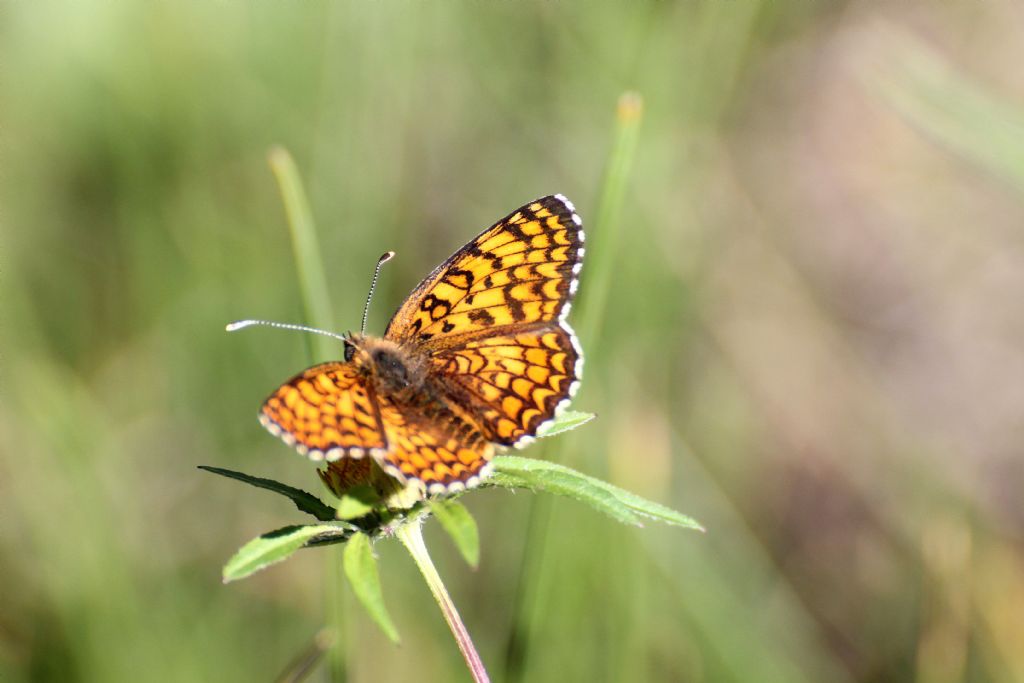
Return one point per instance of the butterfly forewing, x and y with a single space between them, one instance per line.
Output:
327 412
520 271
492 320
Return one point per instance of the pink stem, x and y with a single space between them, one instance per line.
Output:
412 537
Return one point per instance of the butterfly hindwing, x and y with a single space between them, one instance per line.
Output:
514 383
433 445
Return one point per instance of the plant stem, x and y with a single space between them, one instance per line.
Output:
411 536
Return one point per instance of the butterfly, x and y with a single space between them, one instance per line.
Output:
478 358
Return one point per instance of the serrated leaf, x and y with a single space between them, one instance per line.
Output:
563 484
461 526
275 546
357 502
305 501
569 420
361 570
539 475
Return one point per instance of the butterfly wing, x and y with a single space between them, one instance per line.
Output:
330 412
434 446
522 270
492 320
326 412
513 383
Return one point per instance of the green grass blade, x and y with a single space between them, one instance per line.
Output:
306 247
317 307
275 546
954 111
304 501
461 526
603 232
361 570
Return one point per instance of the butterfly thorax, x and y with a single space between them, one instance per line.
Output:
392 368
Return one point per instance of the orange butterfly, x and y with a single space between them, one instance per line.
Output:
478 357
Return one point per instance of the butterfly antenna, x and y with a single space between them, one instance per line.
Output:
373 284
239 324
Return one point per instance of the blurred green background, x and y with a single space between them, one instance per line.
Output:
813 340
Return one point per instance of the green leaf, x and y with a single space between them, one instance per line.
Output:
563 484
361 570
539 475
274 546
305 501
357 502
569 420
460 525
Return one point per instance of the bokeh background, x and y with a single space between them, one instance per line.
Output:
813 340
